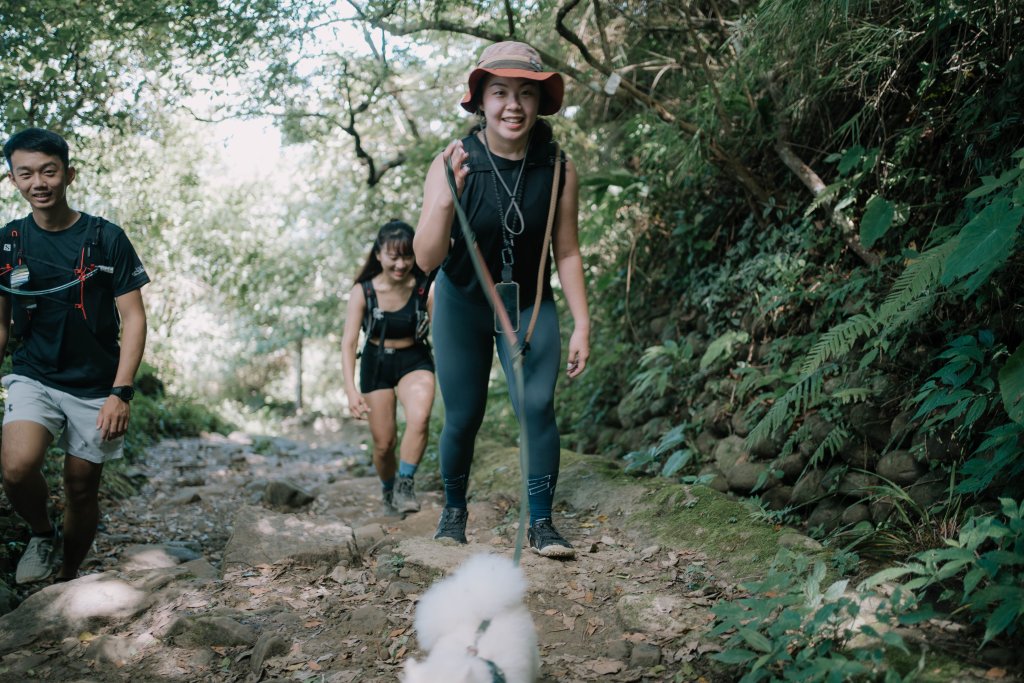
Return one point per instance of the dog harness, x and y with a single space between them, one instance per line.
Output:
497 675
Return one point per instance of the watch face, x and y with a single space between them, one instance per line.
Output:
123 393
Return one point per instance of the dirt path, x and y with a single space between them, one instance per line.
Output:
200 578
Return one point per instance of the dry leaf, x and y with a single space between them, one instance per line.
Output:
313 624
397 632
551 612
86 636
995 673
313 665
606 666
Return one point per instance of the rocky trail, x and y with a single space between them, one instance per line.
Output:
248 559
267 558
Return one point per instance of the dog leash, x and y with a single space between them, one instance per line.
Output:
497 675
484 275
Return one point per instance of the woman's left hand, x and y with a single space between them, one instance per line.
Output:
579 352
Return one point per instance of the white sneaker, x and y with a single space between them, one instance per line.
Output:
37 561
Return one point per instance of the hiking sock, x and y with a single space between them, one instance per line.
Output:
387 485
407 469
52 533
541 494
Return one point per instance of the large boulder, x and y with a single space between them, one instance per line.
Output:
730 451
744 476
827 514
868 422
262 536
900 467
809 487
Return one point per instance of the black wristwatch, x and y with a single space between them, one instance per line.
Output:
125 393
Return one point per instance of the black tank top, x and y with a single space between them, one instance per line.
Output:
400 324
480 202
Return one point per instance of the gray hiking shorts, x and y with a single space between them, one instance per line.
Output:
70 417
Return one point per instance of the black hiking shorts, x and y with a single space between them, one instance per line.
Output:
382 368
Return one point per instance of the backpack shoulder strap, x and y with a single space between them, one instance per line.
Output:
370 295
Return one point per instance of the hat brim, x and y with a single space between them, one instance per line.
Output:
550 81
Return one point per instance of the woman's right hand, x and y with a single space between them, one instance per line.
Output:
456 154
357 406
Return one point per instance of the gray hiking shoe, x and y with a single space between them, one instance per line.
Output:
452 525
546 541
405 496
387 503
38 560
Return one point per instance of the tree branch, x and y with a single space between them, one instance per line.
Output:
814 183
722 157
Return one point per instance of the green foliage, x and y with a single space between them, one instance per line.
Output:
997 462
793 627
980 572
72 66
976 252
1011 385
876 221
963 388
155 415
661 367
649 460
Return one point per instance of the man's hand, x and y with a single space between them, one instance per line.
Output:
113 418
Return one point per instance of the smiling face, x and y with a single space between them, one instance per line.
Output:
41 179
510 107
396 261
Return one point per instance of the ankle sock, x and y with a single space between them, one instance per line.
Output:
406 469
387 485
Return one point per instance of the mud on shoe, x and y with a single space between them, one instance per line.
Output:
38 560
405 496
546 541
452 525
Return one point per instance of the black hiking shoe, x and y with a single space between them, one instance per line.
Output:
405 496
544 540
452 525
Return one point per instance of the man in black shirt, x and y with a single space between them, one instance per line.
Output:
72 283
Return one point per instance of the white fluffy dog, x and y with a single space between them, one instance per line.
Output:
475 627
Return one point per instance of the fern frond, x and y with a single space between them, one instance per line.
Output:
852 395
920 275
838 341
803 395
830 445
911 313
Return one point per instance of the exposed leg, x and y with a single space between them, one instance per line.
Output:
24 447
383 431
416 393
82 513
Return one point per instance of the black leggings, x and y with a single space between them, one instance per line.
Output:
464 347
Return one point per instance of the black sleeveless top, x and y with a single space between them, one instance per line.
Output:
480 200
400 324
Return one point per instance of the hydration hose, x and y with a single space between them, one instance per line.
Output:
60 288
517 380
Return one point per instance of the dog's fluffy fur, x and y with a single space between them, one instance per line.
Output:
449 614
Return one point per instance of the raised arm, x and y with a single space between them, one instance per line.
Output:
349 341
569 263
434 229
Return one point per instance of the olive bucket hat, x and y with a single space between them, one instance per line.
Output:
515 60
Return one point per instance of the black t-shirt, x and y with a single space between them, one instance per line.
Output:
480 200
69 341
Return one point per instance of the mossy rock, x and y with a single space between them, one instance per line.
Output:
653 510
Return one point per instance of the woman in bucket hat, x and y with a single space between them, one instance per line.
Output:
504 172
